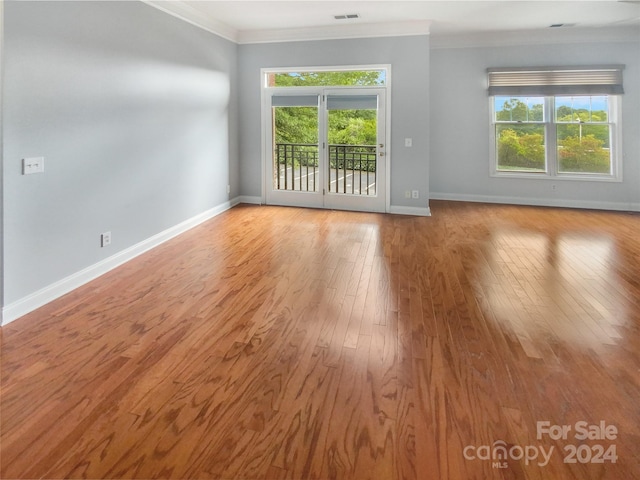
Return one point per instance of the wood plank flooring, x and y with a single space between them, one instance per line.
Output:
285 343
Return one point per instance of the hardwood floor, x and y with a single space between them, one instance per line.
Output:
289 343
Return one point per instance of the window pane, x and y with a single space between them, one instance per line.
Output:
369 78
582 109
584 148
520 148
295 146
519 109
353 155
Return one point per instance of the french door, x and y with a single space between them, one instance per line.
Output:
326 148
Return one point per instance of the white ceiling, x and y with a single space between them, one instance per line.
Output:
247 21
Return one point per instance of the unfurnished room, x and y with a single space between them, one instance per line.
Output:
297 239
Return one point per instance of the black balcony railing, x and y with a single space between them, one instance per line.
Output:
357 165
297 166
351 169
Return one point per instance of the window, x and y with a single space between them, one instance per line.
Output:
520 134
556 123
320 78
583 134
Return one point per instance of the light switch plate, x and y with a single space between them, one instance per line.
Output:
105 239
32 165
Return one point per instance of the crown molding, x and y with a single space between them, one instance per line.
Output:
536 37
334 32
186 12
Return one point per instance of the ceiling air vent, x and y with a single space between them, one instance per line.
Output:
346 16
558 25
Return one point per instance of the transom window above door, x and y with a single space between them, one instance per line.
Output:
328 78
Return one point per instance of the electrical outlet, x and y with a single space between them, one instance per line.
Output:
32 165
415 194
228 188
407 194
105 239
408 142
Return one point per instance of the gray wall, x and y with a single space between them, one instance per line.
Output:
460 126
1 156
409 59
135 113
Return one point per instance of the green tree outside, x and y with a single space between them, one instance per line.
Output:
366 78
521 147
346 127
353 127
296 125
299 125
583 155
583 146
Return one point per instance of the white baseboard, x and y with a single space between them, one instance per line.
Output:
415 211
538 202
47 294
246 199
395 209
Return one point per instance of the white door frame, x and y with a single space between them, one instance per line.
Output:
266 138
269 195
363 203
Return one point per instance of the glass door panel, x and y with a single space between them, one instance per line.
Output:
355 156
331 157
352 138
295 162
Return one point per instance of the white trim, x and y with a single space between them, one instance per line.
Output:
547 36
537 201
265 140
414 211
388 151
1 159
335 32
253 200
47 294
308 199
551 151
187 13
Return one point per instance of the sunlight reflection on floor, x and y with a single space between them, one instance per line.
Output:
554 288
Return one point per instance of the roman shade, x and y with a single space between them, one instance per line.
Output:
294 100
547 81
352 102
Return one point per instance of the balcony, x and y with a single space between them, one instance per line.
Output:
351 168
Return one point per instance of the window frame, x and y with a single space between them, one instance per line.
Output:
552 170
267 72
267 91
